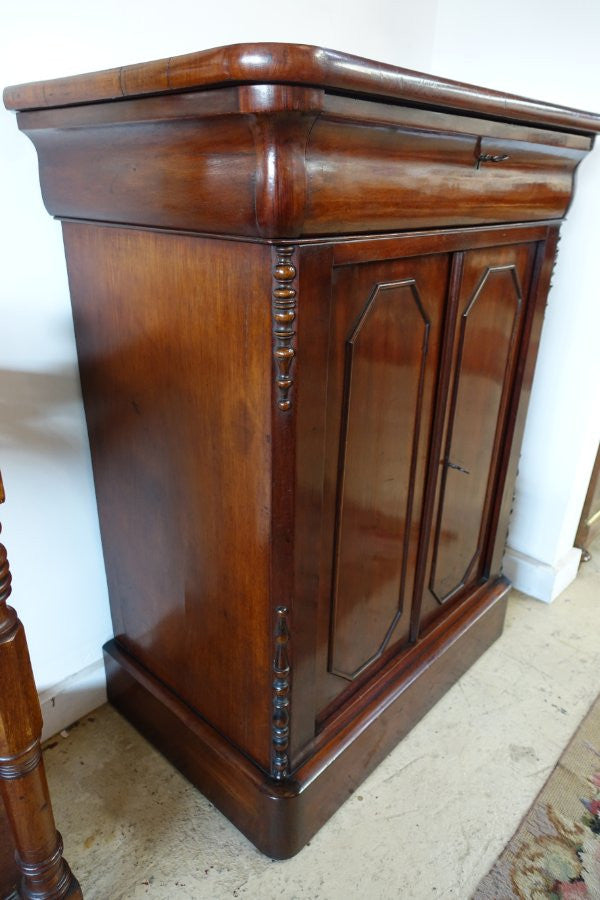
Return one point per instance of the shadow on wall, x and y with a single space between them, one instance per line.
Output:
73 698
41 412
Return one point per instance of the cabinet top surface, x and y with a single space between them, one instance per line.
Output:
275 63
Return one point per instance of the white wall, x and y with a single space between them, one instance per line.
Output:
50 518
546 50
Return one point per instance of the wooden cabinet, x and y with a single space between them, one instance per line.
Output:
307 291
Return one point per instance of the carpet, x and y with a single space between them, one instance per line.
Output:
555 852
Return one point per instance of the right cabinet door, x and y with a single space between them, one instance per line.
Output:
490 306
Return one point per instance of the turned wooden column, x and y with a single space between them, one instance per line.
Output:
45 874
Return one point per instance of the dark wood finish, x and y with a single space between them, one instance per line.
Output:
493 289
304 414
179 418
515 421
37 869
9 873
384 337
589 526
365 178
296 64
278 161
280 816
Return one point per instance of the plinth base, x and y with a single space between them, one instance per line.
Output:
280 817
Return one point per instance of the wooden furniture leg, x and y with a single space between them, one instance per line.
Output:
45 874
9 874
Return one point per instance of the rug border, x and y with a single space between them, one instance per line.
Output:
538 795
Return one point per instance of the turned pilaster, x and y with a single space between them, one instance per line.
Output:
45 874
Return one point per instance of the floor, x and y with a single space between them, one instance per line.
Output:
428 823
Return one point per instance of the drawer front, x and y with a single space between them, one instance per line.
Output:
191 174
380 178
201 163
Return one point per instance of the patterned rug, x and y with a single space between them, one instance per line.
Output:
555 852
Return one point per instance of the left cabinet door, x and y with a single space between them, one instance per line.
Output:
384 348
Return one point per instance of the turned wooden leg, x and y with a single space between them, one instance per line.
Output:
45 874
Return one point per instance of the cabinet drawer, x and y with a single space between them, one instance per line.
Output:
384 177
205 163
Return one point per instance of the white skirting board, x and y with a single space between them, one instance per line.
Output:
539 579
73 698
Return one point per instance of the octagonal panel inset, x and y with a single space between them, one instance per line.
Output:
386 353
488 326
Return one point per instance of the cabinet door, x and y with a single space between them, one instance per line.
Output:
384 348
490 311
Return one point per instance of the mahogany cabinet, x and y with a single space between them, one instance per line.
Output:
308 291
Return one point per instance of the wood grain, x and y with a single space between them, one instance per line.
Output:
280 817
294 64
175 366
9 873
368 178
384 343
268 161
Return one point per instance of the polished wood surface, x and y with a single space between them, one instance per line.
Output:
279 817
362 177
281 161
175 365
308 293
293 64
385 331
493 289
26 808
388 595
9 873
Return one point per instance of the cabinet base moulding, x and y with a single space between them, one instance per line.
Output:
279 817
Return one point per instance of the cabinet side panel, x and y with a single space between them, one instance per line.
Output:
173 338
